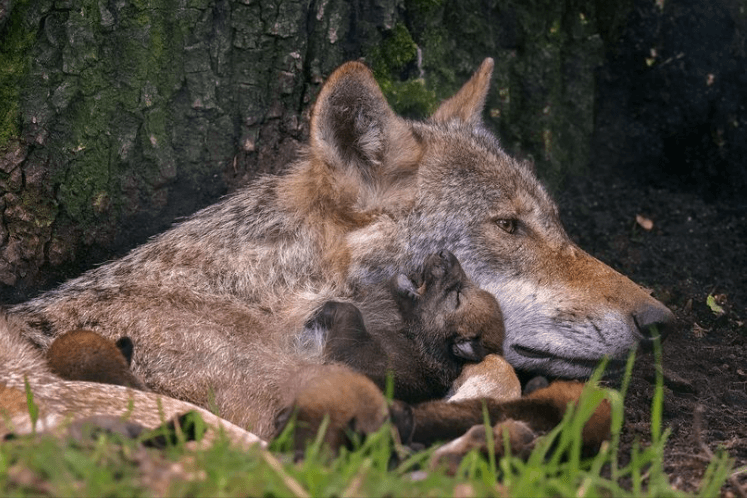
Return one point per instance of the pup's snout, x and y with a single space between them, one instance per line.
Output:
468 349
652 320
448 258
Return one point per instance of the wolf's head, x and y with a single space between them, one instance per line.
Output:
446 183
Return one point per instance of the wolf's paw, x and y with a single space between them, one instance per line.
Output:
345 404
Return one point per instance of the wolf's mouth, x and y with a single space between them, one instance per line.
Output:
613 365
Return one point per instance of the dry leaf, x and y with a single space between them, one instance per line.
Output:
644 222
713 303
689 305
699 331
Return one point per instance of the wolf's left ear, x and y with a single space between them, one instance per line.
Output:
467 104
352 123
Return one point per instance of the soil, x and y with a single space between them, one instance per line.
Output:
694 249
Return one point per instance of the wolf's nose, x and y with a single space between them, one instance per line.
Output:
652 320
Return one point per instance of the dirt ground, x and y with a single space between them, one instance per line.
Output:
695 248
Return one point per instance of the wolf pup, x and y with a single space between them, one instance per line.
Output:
86 355
216 304
447 321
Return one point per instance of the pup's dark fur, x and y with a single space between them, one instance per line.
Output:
447 321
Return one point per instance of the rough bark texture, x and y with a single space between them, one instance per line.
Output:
117 117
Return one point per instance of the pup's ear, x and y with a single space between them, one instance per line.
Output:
352 124
125 346
467 104
406 288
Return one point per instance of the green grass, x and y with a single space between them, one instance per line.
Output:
107 465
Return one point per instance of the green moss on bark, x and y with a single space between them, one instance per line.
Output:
135 71
17 37
409 97
542 98
397 50
40 206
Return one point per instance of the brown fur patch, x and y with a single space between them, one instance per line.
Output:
12 401
350 402
86 355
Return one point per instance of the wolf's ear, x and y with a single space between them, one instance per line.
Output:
469 101
351 123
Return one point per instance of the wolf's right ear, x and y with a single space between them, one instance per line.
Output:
352 123
350 117
467 104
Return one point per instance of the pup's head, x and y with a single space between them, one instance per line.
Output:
445 309
85 355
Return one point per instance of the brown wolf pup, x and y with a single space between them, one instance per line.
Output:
447 322
216 304
541 411
85 355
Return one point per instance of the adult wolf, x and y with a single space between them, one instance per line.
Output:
216 306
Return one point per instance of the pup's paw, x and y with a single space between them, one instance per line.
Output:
520 437
560 393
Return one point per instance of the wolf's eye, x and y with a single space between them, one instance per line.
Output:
507 225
